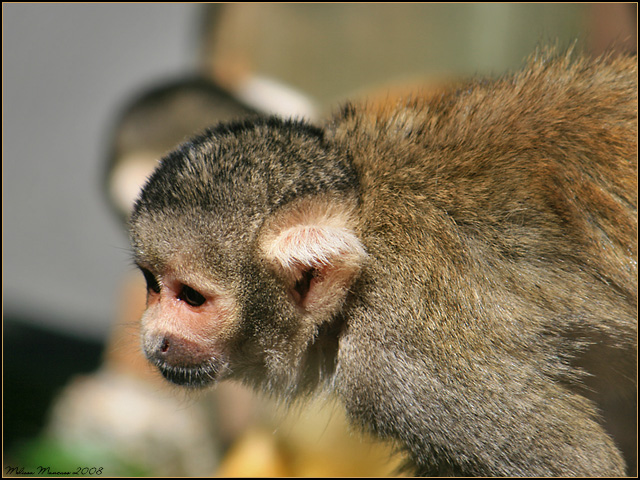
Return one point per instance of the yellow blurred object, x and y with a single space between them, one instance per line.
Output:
314 441
255 454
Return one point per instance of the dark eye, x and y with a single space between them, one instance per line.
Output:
152 283
192 297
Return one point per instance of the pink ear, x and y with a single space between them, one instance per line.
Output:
318 259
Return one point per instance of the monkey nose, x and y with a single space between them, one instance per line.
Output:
176 351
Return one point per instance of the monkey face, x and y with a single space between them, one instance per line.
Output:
245 267
204 323
185 328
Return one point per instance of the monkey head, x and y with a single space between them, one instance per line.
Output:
247 239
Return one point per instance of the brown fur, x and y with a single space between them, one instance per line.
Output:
488 263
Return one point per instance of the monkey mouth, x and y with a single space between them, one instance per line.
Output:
199 376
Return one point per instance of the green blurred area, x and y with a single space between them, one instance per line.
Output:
43 456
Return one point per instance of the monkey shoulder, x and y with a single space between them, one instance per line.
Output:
561 119
546 98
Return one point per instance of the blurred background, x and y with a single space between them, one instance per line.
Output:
93 94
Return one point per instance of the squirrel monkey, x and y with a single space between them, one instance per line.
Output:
449 266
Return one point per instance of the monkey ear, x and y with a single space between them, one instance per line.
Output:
317 254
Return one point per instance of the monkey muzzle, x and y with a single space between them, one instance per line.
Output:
183 362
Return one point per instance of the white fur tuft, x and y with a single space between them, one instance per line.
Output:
313 246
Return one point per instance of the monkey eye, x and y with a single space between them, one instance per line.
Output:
191 296
152 283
